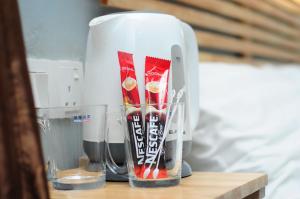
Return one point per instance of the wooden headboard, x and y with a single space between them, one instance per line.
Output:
252 31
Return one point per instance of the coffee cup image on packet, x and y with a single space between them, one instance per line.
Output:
129 83
153 87
156 95
131 101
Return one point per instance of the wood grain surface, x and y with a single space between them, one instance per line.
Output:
198 186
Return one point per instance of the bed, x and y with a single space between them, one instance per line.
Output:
249 85
249 121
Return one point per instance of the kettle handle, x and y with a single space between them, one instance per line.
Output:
191 64
110 162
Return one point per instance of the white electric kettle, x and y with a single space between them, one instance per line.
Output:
142 34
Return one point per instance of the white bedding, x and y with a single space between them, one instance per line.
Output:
249 122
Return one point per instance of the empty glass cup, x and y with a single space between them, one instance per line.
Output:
73 145
153 144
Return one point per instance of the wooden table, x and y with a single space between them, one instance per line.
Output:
198 186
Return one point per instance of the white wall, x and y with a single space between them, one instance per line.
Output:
57 29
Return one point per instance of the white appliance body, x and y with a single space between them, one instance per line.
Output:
142 34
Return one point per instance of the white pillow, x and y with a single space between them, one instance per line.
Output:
250 122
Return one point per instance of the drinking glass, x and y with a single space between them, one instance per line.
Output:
153 144
70 162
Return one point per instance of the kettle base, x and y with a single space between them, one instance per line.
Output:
186 169
112 177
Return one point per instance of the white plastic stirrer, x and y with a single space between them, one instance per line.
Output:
156 170
167 126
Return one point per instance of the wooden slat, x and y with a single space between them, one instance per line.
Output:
194 17
266 8
218 41
297 2
286 6
207 20
286 50
231 10
241 13
211 57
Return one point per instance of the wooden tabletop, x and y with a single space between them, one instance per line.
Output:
198 186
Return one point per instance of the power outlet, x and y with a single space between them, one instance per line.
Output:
56 84
68 87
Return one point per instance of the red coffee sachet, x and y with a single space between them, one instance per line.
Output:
156 93
131 102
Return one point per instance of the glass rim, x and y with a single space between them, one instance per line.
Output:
72 107
152 104
106 106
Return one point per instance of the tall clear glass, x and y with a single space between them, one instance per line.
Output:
153 144
70 163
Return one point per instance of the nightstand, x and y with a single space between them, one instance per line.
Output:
200 185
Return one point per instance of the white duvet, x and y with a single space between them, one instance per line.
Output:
250 122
